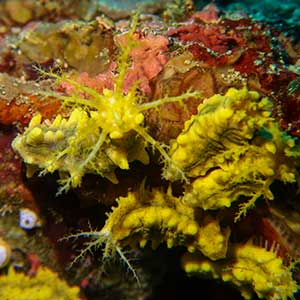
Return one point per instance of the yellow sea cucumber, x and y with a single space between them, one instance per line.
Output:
251 268
231 148
155 216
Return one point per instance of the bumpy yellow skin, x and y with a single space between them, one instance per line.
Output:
232 147
46 285
67 145
156 217
250 268
103 132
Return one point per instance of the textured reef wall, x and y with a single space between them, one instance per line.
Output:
138 152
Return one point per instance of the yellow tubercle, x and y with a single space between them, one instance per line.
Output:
49 137
36 120
35 136
211 239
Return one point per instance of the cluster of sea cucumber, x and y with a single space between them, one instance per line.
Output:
232 147
230 150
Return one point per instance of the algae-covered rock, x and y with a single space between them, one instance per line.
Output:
85 46
18 12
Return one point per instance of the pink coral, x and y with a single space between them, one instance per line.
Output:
209 14
213 37
148 58
98 83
